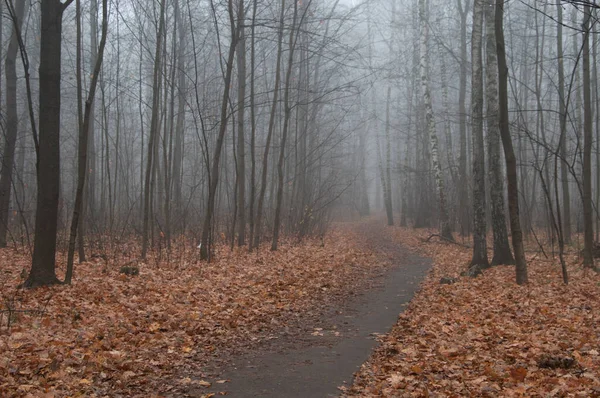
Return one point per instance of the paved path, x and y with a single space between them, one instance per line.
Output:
317 365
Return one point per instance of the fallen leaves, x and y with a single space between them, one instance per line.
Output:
487 336
113 334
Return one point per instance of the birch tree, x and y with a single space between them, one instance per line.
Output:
445 230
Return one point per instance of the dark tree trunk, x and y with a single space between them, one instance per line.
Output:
509 154
84 129
588 214
480 259
502 252
48 162
241 157
288 111
265 161
11 121
214 171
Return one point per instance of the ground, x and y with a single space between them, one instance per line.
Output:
488 337
301 321
171 330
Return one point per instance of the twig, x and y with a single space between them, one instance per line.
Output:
445 240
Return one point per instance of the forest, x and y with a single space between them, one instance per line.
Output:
189 187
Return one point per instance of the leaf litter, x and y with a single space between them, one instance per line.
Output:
154 334
487 336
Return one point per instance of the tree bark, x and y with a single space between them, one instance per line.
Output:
502 252
265 161
214 172
151 158
241 157
588 214
480 259
284 132
509 155
445 230
564 167
48 162
12 120
83 145
463 193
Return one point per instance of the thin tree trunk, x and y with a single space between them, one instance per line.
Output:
502 252
253 128
214 172
83 141
265 162
564 167
511 162
12 121
284 132
445 230
241 157
463 193
588 214
153 135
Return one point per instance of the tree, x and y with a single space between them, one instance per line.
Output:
271 127
214 170
479 260
463 199
48 162
6 174
151 157
284 132
566 197
502 253
509 155
84 130
241 162
445 230
588 214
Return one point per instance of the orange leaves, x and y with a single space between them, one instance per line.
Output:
109 334
518 374
486 336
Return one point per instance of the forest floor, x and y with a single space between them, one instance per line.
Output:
488 337
299 321
182 327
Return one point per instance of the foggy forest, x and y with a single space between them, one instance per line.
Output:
189 187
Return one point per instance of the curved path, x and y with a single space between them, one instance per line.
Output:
327 358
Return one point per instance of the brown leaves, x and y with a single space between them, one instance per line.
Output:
487 336
112 334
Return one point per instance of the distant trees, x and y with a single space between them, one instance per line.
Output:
249 122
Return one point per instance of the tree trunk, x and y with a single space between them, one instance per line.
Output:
214 172
284 132
480 259
387 186
445 230
12 121
463 193
588 214
564 167
83 142
252 127
151 158
241 157
509 155
48 163
502 252
265 162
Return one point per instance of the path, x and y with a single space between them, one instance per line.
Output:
316 365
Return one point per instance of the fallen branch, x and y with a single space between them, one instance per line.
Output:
445 240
